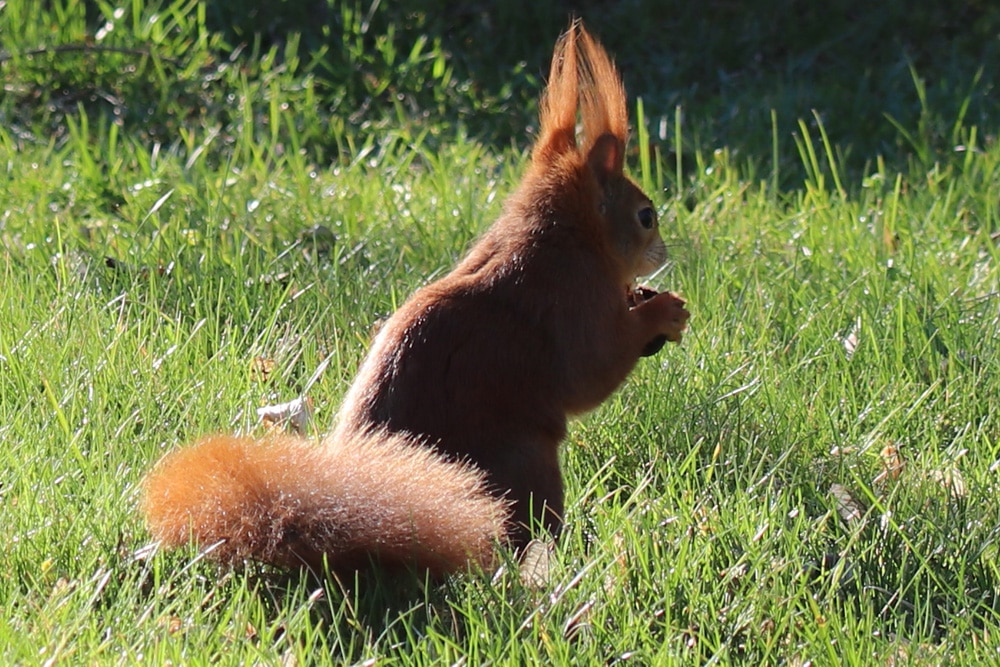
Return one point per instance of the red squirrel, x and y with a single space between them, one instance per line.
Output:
446 447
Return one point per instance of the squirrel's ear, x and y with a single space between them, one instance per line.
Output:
553 144
606 157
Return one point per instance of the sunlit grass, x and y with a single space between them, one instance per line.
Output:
810 477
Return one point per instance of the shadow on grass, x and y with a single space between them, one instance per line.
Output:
440 68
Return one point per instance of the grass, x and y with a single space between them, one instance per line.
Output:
810 478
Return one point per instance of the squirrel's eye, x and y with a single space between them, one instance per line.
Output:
647 217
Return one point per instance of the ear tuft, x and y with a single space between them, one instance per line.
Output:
559 101
582 81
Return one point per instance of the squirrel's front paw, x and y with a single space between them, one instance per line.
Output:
666 312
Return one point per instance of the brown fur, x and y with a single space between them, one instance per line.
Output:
484 365
290 502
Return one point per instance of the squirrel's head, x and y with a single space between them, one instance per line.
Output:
625 213
611 207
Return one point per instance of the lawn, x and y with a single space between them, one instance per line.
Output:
197 222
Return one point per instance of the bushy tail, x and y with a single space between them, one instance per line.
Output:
292 503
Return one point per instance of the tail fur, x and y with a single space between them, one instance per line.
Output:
293 503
